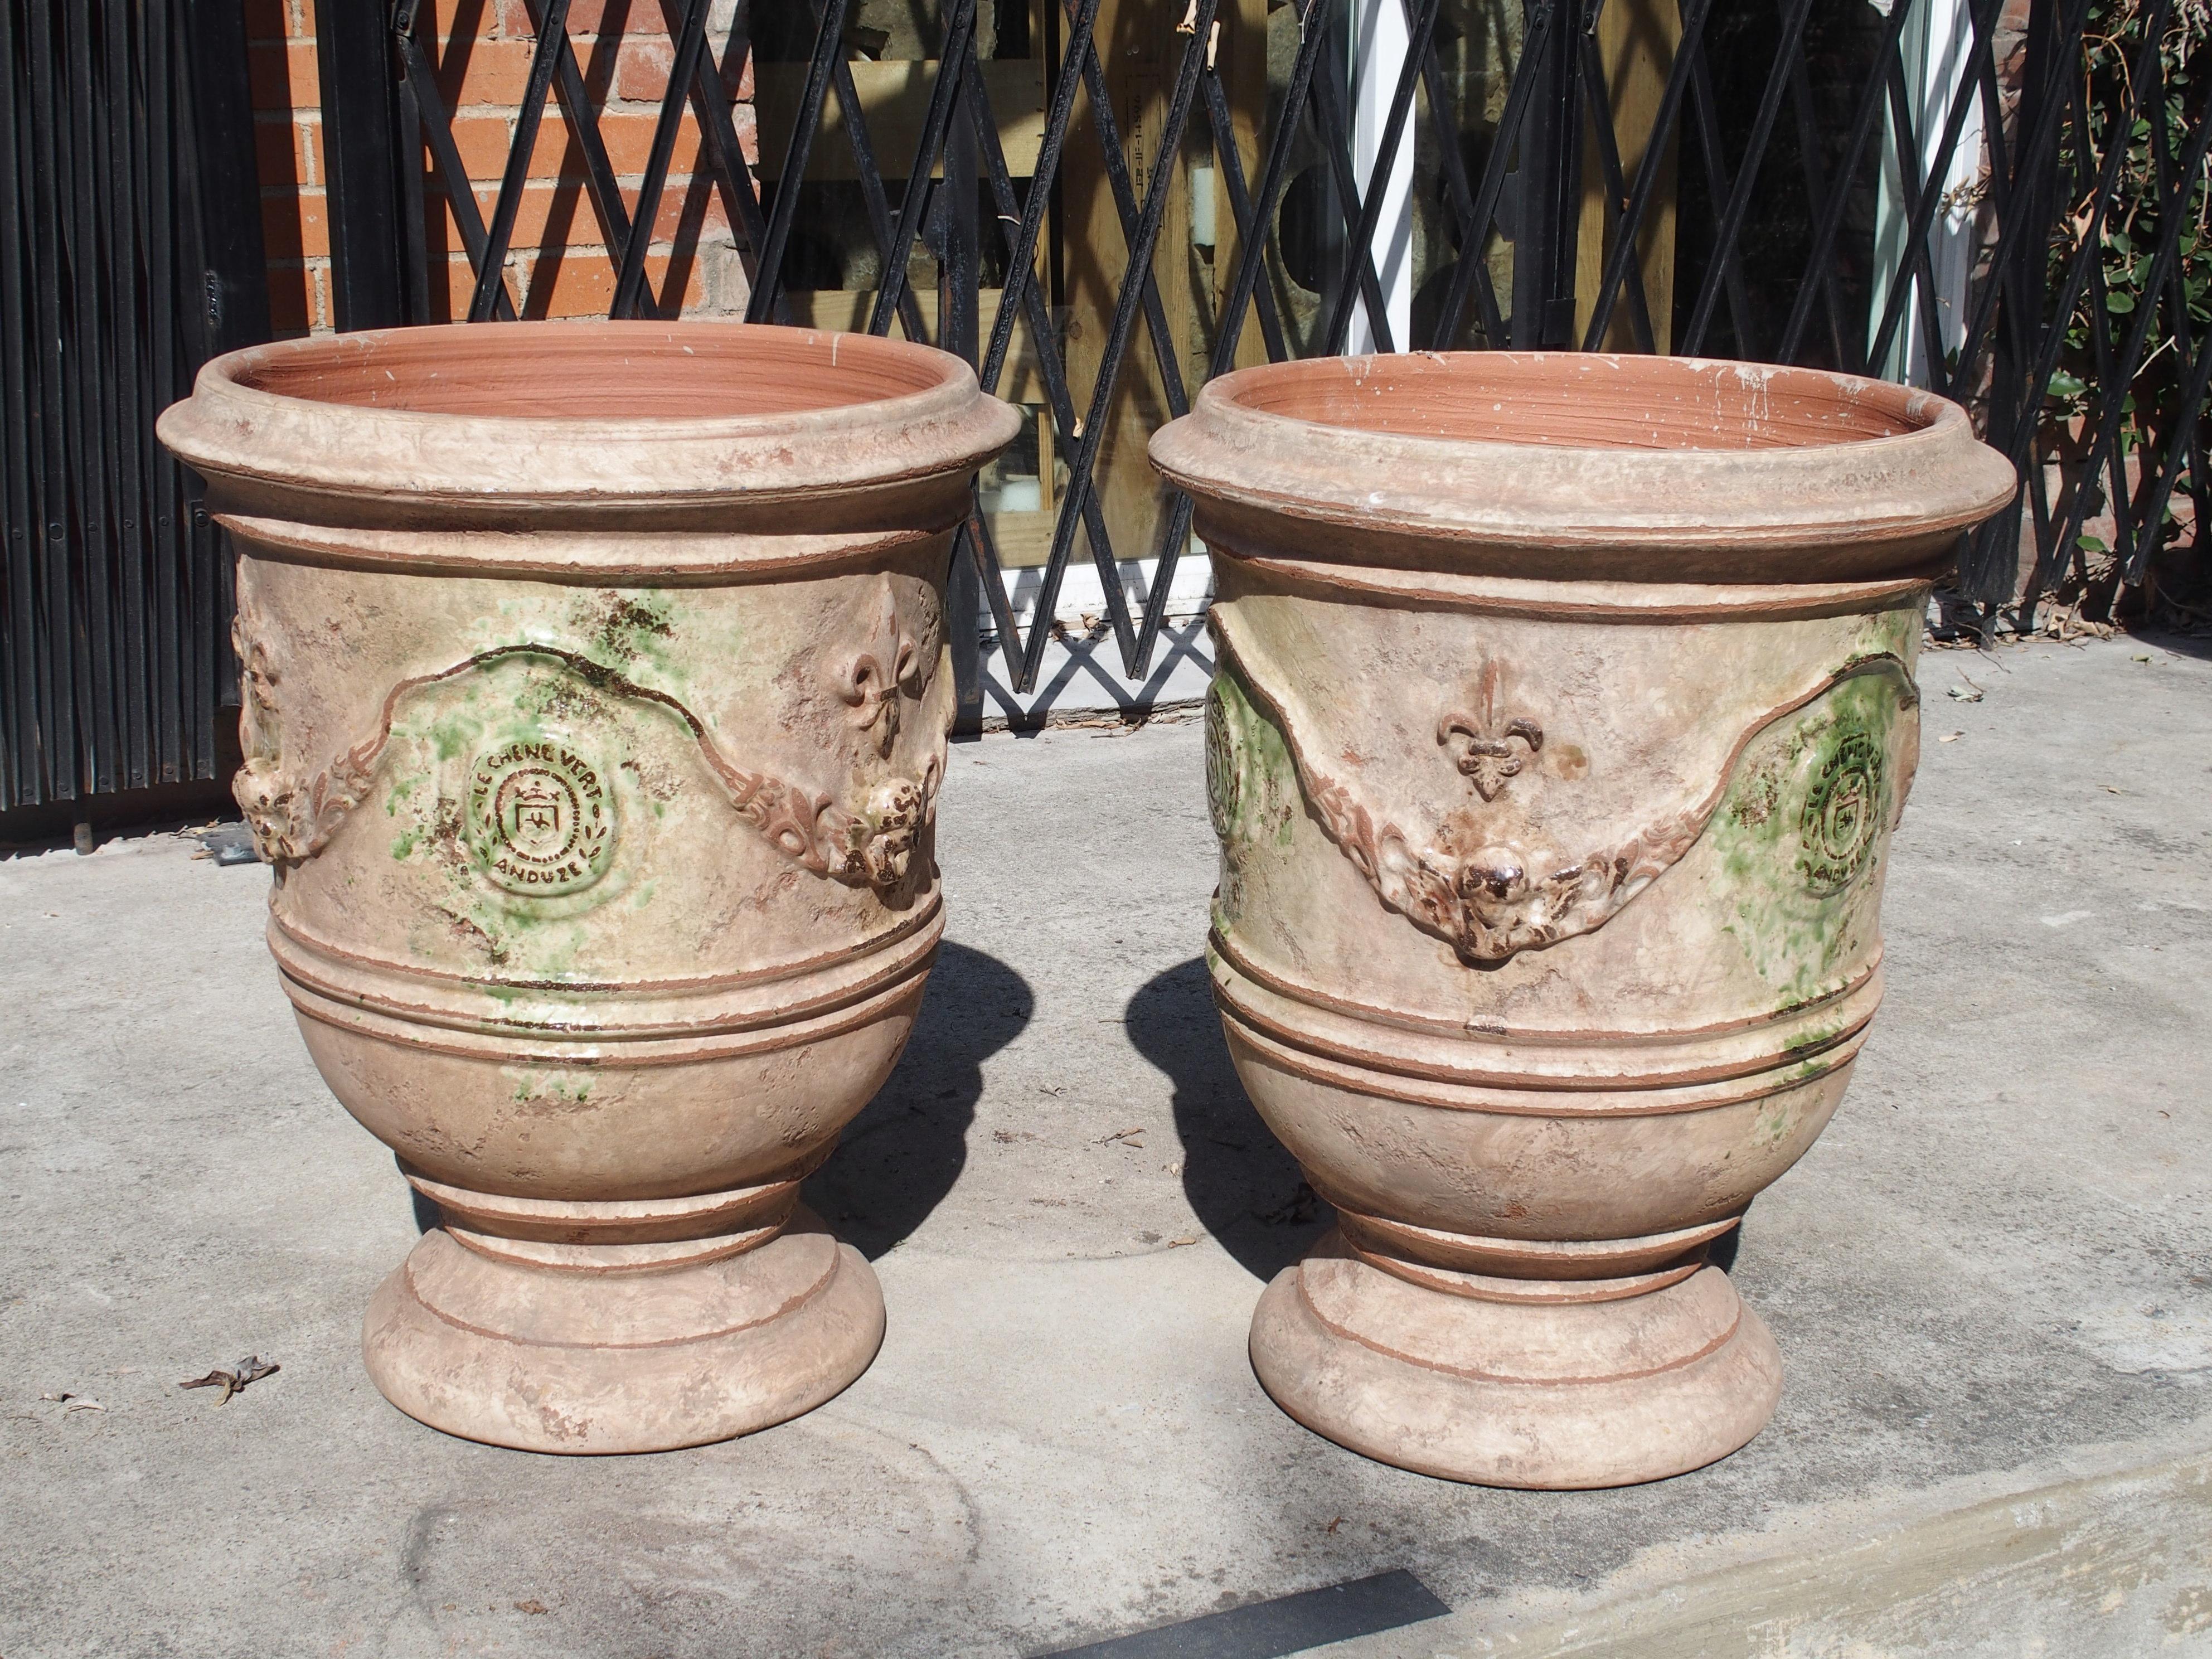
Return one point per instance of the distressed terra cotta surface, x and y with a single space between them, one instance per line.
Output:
594 717
1565 707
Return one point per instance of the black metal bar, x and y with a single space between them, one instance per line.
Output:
2086 258
768 279
1816 194
1917 270
2179 444
1831 222
200 603
1519 95
2173 203
1250 262
630 281
1474 235
582 123
230 179
1224 125
491 274
2117 379
1738 200
1623 257
21 778
1988 564
2036 160
438 131
1118 337
1052 370
1599 97
1021 257
959 35
130 417
360 163
167 363
876 204
1115 165
63 701
1328 115
1545 217
726 156
1727 251
1423 14
959 268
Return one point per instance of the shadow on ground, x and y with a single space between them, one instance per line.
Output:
1241 1182
901 1155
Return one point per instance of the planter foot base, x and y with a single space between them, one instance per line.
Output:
561 1360
1530 1383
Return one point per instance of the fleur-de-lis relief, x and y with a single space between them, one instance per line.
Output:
1488 759
872 682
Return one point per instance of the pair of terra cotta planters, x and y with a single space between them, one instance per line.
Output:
595 712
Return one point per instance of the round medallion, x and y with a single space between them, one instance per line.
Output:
1843 815
539 817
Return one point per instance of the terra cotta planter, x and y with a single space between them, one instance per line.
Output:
593 724
1564 709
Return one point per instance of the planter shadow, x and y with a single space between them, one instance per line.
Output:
1239 1180
899 1157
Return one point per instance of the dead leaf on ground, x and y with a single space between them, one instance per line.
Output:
533 1605
1334 1524
252 1368
74 1402
1959 693
1177 1244
1950 736
1126 1137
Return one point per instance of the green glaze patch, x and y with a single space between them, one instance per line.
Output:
1803 829
1251 781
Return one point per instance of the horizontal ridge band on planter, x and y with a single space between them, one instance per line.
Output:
595 710
1564 708
1576 465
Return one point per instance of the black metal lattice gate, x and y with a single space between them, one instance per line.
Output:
2004 199
130 251
1811 157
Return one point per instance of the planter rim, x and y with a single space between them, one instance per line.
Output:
1790 458
837 413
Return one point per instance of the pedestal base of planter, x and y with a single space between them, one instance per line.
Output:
535 1348
1551 1384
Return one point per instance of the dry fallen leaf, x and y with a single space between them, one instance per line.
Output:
533 1605
1950 736
252 1368
1177 1244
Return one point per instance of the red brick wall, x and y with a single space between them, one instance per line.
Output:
481 49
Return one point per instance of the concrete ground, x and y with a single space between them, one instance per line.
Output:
1991 1280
